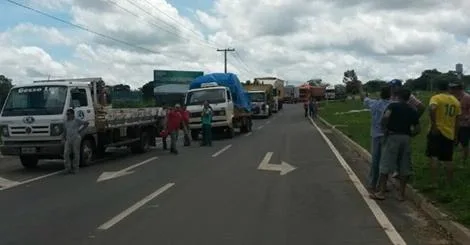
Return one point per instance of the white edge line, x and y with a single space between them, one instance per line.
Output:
380 216
32 180
134 207
221 150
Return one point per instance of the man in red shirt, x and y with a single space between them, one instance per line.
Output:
174 120
185 125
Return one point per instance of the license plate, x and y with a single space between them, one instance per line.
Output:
28 150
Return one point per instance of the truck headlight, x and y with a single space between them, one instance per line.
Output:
4 130
57 129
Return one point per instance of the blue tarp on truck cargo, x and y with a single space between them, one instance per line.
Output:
230 80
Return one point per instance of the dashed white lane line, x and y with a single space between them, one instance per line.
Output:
134 207
380 216
268 122
248 134
260 127
221 151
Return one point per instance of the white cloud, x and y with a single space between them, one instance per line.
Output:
293 39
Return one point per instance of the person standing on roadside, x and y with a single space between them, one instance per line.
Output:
463 135
185 123
399 122
173 126
72 136
306 107
206 121
377 108
415 103
162 114
445 111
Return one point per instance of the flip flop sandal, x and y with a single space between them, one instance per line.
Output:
377 197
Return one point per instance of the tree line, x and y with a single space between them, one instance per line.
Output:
427 81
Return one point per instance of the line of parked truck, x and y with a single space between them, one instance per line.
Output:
31 120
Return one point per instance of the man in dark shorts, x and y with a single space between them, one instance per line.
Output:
400 122
463 135
444 114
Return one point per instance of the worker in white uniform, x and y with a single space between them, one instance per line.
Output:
72 136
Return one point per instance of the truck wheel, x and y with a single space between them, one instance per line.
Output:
29 161
230 133
86 153
143 145
194 135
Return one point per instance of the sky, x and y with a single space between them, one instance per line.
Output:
295 40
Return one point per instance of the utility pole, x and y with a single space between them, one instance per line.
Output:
225 56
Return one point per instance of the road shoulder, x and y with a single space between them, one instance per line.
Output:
416 226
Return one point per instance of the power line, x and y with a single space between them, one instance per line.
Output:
237 56
176 21
150 14
82 27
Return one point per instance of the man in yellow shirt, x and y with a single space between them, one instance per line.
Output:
444 114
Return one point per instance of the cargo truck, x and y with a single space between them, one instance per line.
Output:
229 101
261 99
32 121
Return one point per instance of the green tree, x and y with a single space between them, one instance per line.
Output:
351 82
5 86
147 91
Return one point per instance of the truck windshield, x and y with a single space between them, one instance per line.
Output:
213 96
257 97
330 91
37 100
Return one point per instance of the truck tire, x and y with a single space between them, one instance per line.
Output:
143 145
86 152
194 135
29 161
230 132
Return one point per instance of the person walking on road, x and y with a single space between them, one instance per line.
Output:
377 108
415 103
445 111
463 135
206 121
72 136
306 107
399 122
173 126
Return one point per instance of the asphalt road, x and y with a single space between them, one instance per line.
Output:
230 193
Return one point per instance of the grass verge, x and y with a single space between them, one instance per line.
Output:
454 199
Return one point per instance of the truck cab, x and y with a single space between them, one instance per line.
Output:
221 101
330 93
259 103
31 121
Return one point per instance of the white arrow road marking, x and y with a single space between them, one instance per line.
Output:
111 175
221 151
5 183
268 122
260 127
134 207
248 134
284 168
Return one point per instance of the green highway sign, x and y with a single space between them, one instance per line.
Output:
161 77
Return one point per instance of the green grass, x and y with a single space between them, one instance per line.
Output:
454 199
